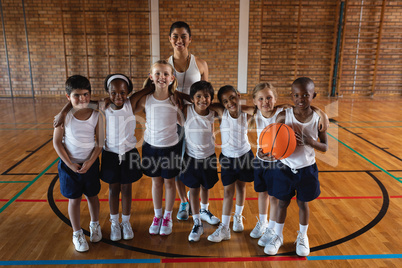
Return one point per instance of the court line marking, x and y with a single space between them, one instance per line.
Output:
355 257
365 158
27 186
198 260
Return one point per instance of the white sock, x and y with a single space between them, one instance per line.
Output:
168 214
93 222
271 224
303 229
114 217
204 206
125 218
279 229
196 217
263 218
239 210
158 212
78 232
226 220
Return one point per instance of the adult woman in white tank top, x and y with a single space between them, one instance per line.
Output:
188 69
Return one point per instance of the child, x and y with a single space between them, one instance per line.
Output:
235 159
79 163
161 151
264 99
121 165
299 171
199 161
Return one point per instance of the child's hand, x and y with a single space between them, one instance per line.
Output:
85 167
74 167
267 156
323 123
58 120
107 103
302 140
178 100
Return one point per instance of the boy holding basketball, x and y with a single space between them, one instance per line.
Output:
298 173
78 145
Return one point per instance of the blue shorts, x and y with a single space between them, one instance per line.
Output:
197 172
304 182
162 162
74 185
128 170
239 168
264 175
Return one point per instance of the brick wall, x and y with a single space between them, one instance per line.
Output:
280 49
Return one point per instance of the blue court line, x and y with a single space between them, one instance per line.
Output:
355 257
26 187
365 158
79 262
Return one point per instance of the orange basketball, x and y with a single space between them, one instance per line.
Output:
278 139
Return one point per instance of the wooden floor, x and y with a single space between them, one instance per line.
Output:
356 222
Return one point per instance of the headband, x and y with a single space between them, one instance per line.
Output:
117 76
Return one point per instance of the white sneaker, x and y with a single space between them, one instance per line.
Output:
155 226
96 232
115 230
273 246
302 245
196 232
166 228
238 223
222 233
80 243
207 216
127 230
266 237
259 229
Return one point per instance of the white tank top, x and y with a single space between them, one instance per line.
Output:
120 129
189 77
200 139
261 123
161 122
234 135
303 156
79 137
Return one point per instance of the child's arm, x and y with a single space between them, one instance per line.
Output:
250 110
58 134
281 117
99 142
323 124
60 117
140 106
284 106
217 108
179 97
136 97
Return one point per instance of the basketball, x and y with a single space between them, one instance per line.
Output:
278 139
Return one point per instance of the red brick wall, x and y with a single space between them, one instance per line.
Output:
273 36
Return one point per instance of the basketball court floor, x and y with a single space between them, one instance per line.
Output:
356 221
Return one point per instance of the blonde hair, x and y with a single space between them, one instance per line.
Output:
259 87
148 83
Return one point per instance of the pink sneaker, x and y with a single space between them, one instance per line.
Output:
167 225
155 226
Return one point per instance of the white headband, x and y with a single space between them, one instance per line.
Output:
117 76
